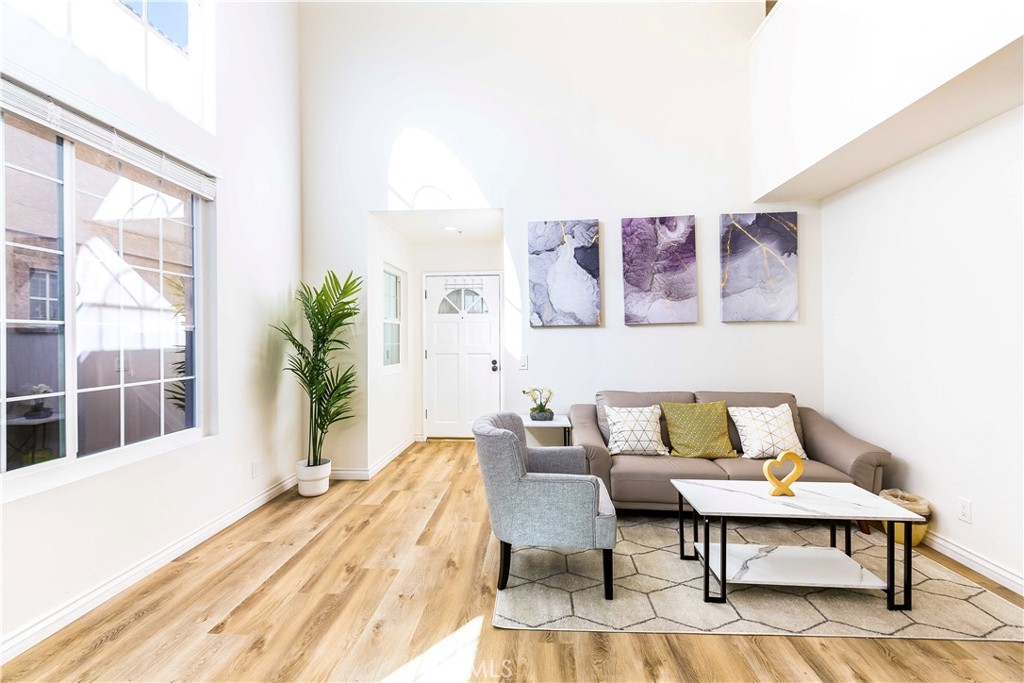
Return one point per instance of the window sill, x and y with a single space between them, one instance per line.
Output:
31 481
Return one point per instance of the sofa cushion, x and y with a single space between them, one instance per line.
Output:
698 430
766 432
635 430
761 399
638 399
753 470
645 478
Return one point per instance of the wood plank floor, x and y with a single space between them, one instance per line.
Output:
395 577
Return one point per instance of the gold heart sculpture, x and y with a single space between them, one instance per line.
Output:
781 488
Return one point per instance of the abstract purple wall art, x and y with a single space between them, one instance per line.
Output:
659 270
759 267
565 284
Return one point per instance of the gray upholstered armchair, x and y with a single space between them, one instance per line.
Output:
541 496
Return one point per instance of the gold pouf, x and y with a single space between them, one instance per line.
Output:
781 488
914 503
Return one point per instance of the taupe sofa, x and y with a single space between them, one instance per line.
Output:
642 481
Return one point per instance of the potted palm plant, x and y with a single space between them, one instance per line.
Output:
327 311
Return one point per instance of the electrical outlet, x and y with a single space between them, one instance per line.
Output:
965 510
524 363
254 468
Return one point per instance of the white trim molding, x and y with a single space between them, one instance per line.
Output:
365 474
13 644
978 563
70 124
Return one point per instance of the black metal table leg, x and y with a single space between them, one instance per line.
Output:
721 558
682 533
707 563
846 532
908 554
890 568
696 532
566 436
832 534
682 530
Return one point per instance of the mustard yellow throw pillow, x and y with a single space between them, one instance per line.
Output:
699 430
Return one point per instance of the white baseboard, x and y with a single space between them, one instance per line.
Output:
353 473
365 474
13 644
978 563
419 438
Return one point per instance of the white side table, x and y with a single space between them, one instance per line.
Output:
558 422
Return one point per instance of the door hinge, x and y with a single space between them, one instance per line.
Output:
424 414
424 294
424 354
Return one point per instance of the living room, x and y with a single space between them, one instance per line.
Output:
331 128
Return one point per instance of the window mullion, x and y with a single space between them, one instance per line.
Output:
122 370
160 333
145 44
3 304
199 322
70 294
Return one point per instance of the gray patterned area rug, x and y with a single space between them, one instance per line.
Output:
656 592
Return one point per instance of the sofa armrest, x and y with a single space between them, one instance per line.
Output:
828 443
585 432
557 459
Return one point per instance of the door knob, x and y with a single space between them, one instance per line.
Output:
494 366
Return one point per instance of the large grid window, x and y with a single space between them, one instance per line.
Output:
124 238
392 318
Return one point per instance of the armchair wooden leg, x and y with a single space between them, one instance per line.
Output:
607 573
864 528
506 560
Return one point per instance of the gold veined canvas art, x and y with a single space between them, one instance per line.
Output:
759 267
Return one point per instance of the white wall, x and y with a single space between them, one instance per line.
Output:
923 333
391 391
75 545
394 411
478 256
558 111
827 71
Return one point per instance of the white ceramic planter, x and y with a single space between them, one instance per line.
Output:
313 481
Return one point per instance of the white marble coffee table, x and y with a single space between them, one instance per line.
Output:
791 565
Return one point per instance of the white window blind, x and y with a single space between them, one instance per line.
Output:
72 125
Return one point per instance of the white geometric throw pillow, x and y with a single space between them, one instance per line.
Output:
635 431
766 432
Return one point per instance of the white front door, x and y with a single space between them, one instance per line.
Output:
461 341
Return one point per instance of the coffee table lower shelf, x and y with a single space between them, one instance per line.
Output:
781 565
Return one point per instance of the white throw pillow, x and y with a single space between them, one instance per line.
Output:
635 431
766 432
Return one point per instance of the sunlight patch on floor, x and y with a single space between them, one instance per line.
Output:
451 659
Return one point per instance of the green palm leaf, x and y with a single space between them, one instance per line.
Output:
328 311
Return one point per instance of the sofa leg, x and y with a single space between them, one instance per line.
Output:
864 528
607 553
506 560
